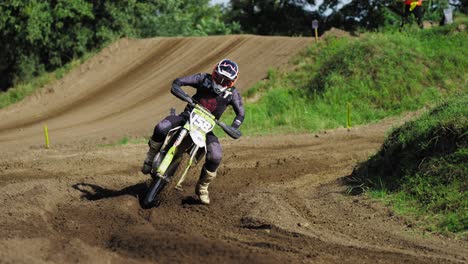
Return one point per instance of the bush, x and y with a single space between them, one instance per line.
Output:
427 160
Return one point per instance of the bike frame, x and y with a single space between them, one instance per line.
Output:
167 161
199 124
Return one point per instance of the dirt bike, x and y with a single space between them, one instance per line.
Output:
188 140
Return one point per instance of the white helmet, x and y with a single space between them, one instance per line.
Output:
224 75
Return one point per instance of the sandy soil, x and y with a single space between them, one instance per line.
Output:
125 89
277 199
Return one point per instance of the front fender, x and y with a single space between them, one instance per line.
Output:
198 137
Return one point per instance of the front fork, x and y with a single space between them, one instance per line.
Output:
193 153
169 157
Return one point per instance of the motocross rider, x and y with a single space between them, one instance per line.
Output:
214 92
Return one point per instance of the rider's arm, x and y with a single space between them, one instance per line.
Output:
192 80
238 106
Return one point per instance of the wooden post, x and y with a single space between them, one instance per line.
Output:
315 27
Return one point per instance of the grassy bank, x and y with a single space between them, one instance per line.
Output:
24 89
20 91
378 74
422 169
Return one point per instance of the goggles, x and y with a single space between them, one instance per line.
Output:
222 80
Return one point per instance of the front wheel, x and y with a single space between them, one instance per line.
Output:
157 185
154 189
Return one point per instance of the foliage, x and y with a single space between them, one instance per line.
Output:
425 163
294 17
376 14
464 6
125 141
188 18
40 36
23 89
271 17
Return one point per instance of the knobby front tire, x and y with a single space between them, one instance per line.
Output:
154 189
156 194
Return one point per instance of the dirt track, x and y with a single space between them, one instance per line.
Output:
125 89
278 199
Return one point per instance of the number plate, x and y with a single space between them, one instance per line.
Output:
201 121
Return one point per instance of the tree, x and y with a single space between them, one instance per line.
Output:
187 18
41 35
293 17
271 17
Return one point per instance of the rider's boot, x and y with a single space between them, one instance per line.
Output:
153 150
206 177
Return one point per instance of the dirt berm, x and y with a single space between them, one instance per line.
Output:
277 199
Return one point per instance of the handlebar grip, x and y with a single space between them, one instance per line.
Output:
232 132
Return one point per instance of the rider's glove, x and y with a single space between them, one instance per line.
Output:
236 123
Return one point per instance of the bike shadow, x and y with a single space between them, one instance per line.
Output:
190 200
93 192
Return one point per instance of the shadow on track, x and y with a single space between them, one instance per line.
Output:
94 192
190 200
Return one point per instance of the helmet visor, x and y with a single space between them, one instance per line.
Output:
221 80
228 70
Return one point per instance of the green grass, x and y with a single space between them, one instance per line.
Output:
422 169
24 89
379 74
126 141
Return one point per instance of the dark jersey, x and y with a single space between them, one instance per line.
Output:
205 96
